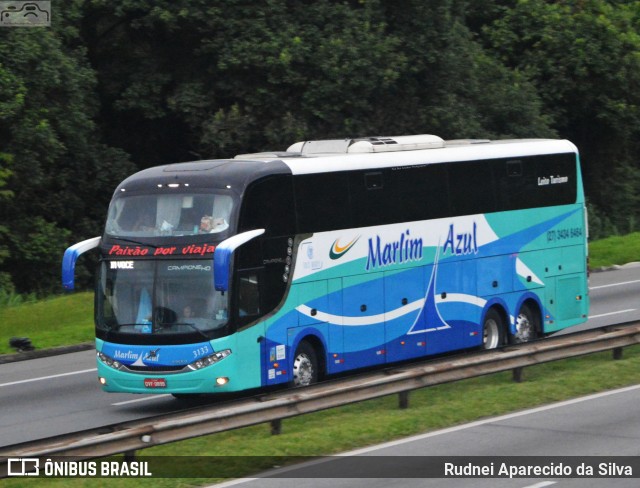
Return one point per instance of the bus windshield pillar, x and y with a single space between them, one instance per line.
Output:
223 254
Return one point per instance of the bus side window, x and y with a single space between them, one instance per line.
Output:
510 184
471 188
374 181
419 193
514 169
526 183
268 204
322 202
248 295
371 199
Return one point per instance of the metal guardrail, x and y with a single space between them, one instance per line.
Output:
273 407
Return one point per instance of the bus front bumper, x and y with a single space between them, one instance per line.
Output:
217 378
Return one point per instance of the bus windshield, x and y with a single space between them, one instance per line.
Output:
175 214
159 297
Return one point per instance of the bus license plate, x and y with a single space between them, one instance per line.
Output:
155 383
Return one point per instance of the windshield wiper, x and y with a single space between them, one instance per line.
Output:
117 326
193 326
157 327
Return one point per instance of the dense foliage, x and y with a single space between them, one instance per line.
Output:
119 85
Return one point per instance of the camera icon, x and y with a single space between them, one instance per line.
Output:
25 14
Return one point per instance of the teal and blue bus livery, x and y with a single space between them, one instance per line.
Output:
286 267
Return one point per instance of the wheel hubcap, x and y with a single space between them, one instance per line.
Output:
490 338
524 328
302 371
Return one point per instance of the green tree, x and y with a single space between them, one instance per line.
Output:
60 170
208 79
6 284
454 86
584 58
189 79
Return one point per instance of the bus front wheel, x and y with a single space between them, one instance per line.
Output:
492 330
305 365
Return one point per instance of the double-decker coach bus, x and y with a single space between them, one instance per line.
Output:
286 267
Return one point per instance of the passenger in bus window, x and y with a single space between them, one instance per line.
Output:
145 221
210 225
187 313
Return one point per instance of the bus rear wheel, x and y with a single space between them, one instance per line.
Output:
527 328
492 330
305 365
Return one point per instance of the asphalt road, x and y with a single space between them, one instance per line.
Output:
50 396
605 424
614 297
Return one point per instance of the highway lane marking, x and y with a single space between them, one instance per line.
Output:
436 433
612 313
92 370
49 377
138 400
613 284
501 418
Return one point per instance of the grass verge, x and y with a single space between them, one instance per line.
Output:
374 421
614 250
58 321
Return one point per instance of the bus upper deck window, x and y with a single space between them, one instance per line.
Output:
514 168
373 181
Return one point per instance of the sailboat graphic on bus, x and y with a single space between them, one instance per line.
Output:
429 318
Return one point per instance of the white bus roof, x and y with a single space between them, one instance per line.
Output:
385 152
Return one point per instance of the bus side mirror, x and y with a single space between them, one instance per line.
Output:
223 254
70 257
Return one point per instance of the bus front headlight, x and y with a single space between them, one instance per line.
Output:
112 363
209 360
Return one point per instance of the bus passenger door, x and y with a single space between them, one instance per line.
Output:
312 316
363 306
320 314
405 331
